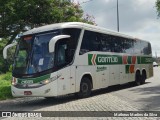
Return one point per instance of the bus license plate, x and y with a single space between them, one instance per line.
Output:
27 93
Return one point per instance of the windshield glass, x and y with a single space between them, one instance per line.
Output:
32 54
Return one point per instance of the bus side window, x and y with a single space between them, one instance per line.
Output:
90 42
149 49
146 48
61 52
111 41
105 43
71 43
118 46
137 47
128 46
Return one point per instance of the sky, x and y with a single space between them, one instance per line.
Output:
137 18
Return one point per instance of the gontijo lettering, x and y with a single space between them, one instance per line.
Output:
98 59
108 59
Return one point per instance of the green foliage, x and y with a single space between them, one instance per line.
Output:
4 65
17 14
158 7
6 92
7 77
3 42
5 86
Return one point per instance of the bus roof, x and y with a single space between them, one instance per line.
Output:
75 25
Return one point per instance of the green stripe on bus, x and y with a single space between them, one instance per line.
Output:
99 59
108 59
129 59
138 60
35 80
127 68
146 60
104 59
90 59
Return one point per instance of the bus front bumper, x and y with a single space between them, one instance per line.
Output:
48 90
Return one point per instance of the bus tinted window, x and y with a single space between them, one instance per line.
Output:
137 47
94 41
105 43
146 48
128 46
72 43
118 44
108 43
90 42
149 49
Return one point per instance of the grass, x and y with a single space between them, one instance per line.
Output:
5 86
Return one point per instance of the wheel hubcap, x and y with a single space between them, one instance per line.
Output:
84 87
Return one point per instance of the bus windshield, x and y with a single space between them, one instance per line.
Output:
32 54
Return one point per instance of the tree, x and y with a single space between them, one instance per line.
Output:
158 7
4 65
17 15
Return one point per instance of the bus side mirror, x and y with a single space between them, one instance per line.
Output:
54 40
6 48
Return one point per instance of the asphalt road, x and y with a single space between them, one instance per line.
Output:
118 98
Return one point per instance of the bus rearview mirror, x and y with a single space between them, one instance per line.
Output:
54 40
6 48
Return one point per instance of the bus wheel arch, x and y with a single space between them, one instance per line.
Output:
85 86
90 78
144 76
138 77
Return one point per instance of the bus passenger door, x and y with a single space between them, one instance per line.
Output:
66 81
63 81
62 62
73 79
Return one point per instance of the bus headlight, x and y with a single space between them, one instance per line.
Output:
14 81
45 81
48 80
30 83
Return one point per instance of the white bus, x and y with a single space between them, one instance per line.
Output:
75 57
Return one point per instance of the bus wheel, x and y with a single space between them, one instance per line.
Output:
138 78
85 88
143 78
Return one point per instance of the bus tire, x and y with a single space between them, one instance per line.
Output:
85 88
138 78
49 98
143 79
